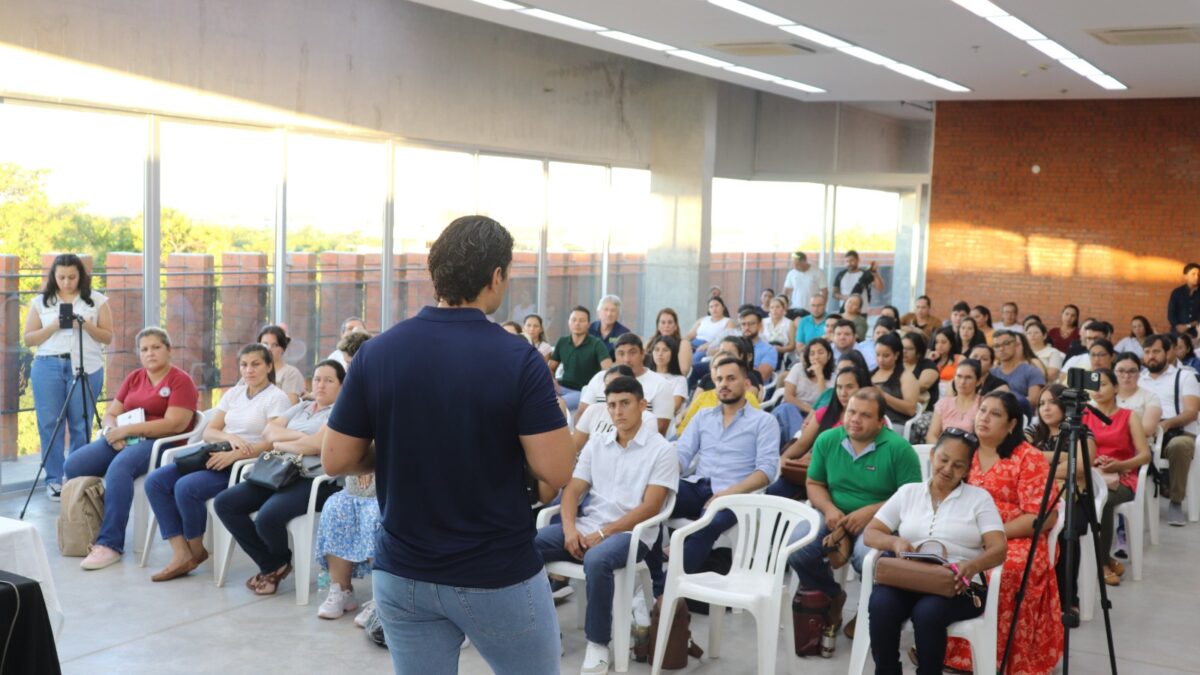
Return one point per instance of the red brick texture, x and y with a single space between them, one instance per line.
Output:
1107 222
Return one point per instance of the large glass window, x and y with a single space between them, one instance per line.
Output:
867 222
513 191
577 230
631 219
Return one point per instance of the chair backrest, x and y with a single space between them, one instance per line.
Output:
1101 491
203 418
764 528
1059 524
925 455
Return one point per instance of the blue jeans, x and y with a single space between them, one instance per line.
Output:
689 503
782 487
790 420
514 628
178 501
265 538
119 468
811 565
599 564
570 397
51 378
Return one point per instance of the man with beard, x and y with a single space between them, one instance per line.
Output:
1179 394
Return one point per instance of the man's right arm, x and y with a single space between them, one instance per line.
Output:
1191 408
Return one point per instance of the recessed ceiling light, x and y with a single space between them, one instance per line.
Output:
1016 28
813 35
1082 67
635 40
700 58
801 86
982 8
866 55
1052 49
908 71
561 19
500 4
948 85
756 74
748 10
1108 82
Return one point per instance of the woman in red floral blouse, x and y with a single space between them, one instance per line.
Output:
1014 472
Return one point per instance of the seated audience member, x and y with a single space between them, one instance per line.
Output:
765 356
241 417
705 395
797 456
606 327
349 326
831 324
167 398
662 356
812 325
1183 307
983 321
345 545
969 335
1185 352
964 520
512 327
1139 330
1178 395
736 451
899 388
986 357
920 319
844 341
659 394
581 355
1142 402
1101 355
299 431
535 332
1062 335
854 470
918 364
958 312
777 330
853 311
892 312
945 353
1121 449
287 377
627 474
1092 331
1015 473
708 330
1050 357
958 411
805 383
595 421
1023 379
666 324
764 302
1008 318
1026 351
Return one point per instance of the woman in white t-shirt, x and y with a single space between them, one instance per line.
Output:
1140 401
1051 358
965 524
287 377
710 329
68 284
777 329
1139 330
662 356
535 332
241 417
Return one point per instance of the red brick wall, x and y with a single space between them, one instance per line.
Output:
1107 223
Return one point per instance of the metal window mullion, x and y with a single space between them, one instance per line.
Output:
152 226
387 260
281 263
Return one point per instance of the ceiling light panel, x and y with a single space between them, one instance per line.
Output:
867 55
561 19
752 12
700 58
635 40
801 86
1052 49
813 35
1108 82
756 74
1082 67
500 4
1016 28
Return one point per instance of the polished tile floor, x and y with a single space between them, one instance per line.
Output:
117 621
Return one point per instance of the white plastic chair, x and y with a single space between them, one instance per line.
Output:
1136 514
1193 489
755 581
301 536
623 587
908 427
141 505
980 632
925 454
1088 582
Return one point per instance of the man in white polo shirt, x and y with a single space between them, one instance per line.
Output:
659 395
1179 395
803 282
627 474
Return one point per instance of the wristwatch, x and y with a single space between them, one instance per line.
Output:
104 430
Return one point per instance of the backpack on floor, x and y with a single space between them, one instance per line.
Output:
679 641
82 510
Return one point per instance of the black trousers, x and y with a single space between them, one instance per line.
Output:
930 615
265 538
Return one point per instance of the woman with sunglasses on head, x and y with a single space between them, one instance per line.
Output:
963 520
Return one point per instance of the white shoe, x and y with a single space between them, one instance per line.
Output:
595 660
54 492
368 608
99 557
337 603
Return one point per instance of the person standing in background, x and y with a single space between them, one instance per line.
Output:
803 282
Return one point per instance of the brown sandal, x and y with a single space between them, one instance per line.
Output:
269 583
254 582
169 573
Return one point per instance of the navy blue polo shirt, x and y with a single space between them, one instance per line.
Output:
445 396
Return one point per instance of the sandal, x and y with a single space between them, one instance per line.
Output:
1111 577
269 583
254 582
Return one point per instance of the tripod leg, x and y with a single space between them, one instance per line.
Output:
59 425
1089 491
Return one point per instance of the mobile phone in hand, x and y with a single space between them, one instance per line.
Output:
66 315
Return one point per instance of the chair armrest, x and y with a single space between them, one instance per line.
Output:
312 492
165 440
635 535
675 564
169 454
544 516
813 530
235 473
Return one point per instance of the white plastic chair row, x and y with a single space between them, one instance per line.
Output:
623 587
980 632
141 505
925 456
1140 513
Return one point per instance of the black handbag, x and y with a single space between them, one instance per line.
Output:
275 470
196 459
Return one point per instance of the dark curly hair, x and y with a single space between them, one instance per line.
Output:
465 256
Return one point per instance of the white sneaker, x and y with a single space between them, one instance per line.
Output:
54 492
368 608
99 557
595 660
337 603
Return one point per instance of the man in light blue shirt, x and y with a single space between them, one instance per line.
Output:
843 341
735 448
765 356
812 325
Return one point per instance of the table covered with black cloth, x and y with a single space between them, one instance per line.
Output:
26 636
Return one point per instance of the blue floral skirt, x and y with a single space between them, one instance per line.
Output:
348 529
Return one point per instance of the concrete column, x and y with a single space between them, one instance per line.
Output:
10 353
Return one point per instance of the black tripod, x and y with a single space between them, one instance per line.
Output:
80 380
1072 441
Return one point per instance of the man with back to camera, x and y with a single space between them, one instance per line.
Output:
1183 307
452 437
803 282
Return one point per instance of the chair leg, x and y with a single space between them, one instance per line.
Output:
664 628
1193 493
1151 509
580 596
222 546
622 609
716 624
983 653
1087 577
860 646
301 532
140 512
768 637
1136 536
787 624
147 539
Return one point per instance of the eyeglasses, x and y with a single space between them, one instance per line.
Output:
1005 343
1127 371
965 436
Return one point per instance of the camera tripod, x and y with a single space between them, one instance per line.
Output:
80 380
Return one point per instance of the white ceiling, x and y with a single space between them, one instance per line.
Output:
937 36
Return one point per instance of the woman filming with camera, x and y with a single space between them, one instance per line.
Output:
66 304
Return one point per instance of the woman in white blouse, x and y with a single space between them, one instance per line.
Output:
1139 330
777 330
58 356
287 377
1051 358
961 518
1143 403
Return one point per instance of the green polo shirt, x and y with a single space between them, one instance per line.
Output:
579 363
871 478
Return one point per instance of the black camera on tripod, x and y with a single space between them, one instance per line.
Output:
1078 378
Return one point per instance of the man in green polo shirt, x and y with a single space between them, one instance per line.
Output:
855 469
581 355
